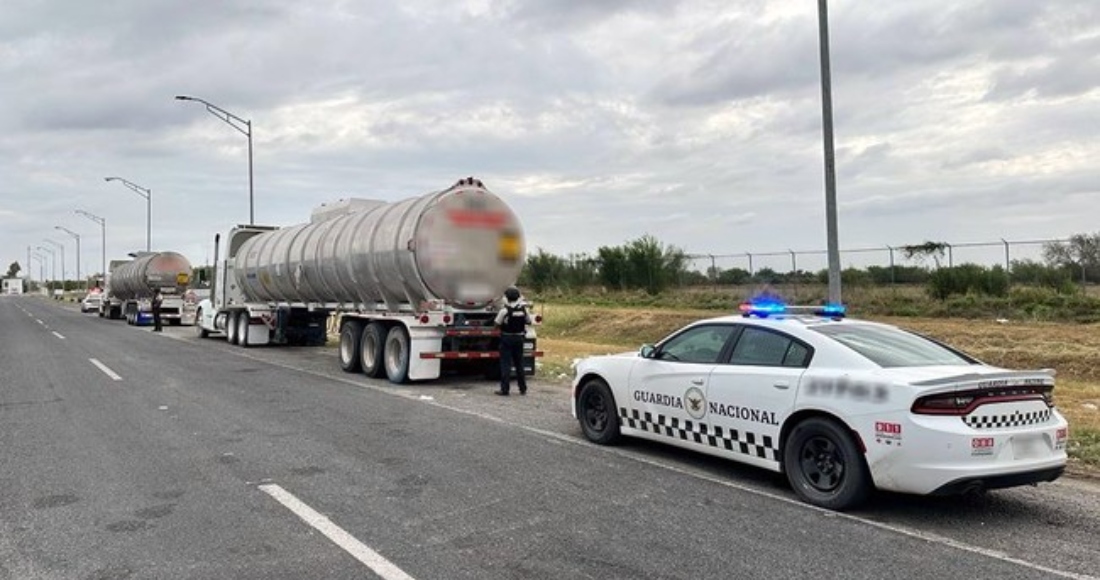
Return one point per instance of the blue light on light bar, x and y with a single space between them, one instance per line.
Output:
763 308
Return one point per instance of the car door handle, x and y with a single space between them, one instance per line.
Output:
697 382
781 385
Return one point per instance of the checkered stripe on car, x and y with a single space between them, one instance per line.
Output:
743 442
1014 419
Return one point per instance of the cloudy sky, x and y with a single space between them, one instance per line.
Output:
697 122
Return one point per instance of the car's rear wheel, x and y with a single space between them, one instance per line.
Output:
824 466
597 413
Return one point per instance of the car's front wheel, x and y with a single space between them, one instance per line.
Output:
824 466
596 412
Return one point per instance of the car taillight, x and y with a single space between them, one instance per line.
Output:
963 403
949 404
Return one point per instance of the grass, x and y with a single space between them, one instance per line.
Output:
573 331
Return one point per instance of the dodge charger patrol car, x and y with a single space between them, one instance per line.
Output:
839 406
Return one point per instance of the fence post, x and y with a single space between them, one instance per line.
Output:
893 277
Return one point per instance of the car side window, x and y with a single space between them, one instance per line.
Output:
760 347
700 344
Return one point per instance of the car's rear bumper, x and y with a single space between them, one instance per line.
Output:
982 483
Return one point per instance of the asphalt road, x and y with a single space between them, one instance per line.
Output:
208 461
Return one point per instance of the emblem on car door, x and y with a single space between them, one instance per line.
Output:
695 403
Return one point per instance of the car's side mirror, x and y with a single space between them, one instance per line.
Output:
647 351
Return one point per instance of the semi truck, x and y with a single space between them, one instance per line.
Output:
131 284
412 287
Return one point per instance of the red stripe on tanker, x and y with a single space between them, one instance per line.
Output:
411 251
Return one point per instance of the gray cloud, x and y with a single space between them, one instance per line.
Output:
694 121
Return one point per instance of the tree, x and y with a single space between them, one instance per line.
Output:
921 252
543 271
1081 252
13 270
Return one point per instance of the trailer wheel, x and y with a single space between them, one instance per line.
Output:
350 335
242 329
372 350
231 328
397 354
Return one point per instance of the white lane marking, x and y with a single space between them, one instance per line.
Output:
58 335
106 370
40 322
360 551
901 530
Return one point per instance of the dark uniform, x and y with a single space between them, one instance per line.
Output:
158 299
512 320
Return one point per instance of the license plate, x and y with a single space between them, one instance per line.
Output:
1029 447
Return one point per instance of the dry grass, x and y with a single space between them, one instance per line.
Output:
1072 350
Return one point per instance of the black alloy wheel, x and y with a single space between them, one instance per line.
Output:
597 413
824 466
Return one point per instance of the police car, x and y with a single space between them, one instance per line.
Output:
840 406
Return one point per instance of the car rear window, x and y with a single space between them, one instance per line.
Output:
892 347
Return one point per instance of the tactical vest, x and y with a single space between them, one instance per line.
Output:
515 321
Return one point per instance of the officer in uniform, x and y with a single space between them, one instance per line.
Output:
158 300
512 320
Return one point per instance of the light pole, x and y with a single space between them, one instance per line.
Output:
148 195
103 225
41 266
235 122
831 228
61 247
84 284
53 260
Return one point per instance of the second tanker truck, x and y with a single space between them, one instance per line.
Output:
131 284
413 286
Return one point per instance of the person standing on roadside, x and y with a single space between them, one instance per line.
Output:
158 300
512 320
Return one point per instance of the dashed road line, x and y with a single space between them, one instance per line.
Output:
105 370
58 335
360 551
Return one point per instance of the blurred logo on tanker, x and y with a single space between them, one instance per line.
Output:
509 247
473 218
182 279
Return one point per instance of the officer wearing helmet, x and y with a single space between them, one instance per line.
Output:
512 320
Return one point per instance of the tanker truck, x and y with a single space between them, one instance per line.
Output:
411 286
131 285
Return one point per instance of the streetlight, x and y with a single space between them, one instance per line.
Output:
77 236
148 195
61 247
235 122
41 266
53 260
831 228
103 225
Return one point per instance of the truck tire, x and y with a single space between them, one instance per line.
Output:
242 329
231 328
200 330
372 350
350 335
397 354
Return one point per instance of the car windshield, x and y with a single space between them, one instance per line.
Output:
892 347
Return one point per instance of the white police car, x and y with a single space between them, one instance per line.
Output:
840 406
